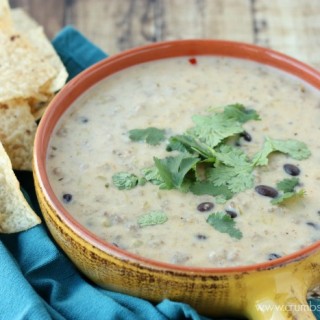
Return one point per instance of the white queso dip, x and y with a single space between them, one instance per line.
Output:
198 161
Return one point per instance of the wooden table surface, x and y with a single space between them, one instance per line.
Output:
289 26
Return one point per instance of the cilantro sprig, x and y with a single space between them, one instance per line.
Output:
287 191
223 223
173 170
152 218
214 128
233 170
204 161
125 180
295 149
152 136
228 169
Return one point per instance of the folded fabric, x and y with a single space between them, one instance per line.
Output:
76 52
38 281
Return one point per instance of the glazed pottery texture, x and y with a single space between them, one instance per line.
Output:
272 290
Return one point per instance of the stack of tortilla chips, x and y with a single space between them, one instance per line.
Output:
30 74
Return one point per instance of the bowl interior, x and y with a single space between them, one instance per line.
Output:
156 51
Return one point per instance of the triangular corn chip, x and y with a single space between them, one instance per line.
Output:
25 25
17 131
15 213
5 17
23 73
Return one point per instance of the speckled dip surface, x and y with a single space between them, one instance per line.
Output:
91 143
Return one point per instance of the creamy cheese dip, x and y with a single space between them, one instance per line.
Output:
91 143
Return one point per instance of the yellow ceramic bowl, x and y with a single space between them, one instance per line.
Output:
271 290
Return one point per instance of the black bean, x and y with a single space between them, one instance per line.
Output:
67 197
246 136
231 213
291 169
273 256
313 225
266 191
200 236
205 206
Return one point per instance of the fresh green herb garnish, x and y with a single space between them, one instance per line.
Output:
239 113
150 135
227 168
287 186
223 223
125 180
288 196
214 128
236 179
233 169
206 162
152 218
142 181
187 143
173 170
152 175
204 187
295 149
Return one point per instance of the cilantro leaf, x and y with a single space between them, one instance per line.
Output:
234 170
175 145
205 187
231 156
239 113
152 218
223 223
295 149
288 185
212 129
125 180
236 179
152 175
150 135
288 196
186 143
261 157
142 181
173 170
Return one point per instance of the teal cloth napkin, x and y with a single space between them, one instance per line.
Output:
38 282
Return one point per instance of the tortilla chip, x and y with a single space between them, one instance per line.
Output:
30 73
22 21
22 71
15 212
5 17
35 34
38 107
17 131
